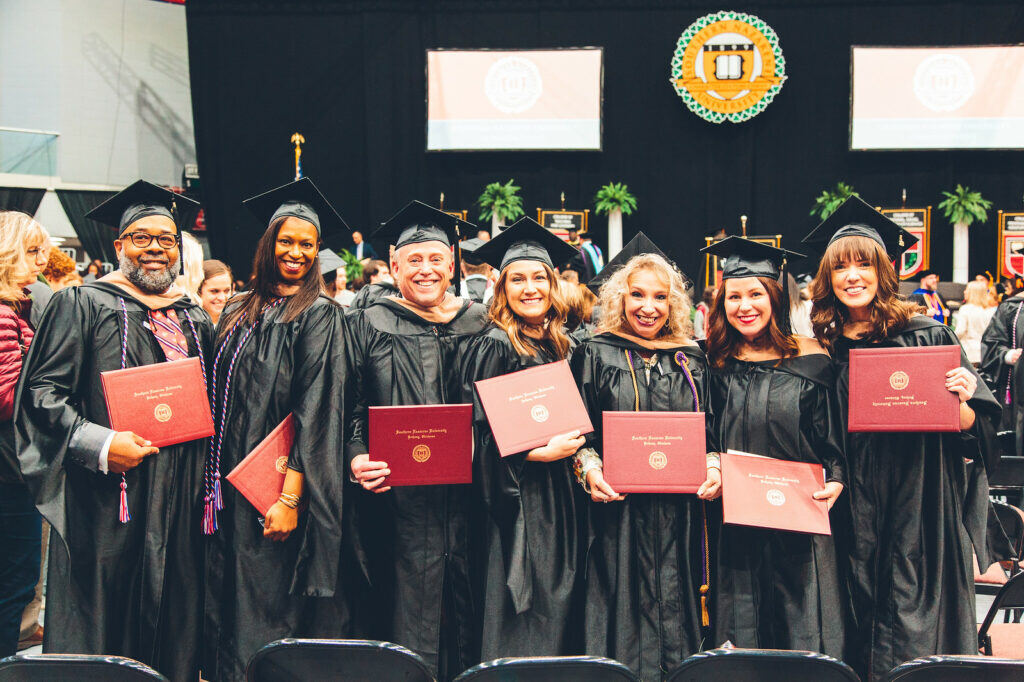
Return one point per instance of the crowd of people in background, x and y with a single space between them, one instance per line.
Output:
161 560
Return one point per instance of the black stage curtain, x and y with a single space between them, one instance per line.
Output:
97 239
21 199
349 75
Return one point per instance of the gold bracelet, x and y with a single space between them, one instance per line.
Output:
289 500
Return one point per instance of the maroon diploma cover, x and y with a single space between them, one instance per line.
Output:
903 389
165 403
526 408
423 444
654 452
773 493
260 476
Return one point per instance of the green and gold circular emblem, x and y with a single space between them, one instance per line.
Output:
728 66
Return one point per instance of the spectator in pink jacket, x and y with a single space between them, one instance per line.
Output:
24 245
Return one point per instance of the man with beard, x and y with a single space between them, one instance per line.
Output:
414 542
126 562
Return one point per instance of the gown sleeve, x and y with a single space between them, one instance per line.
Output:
995 342
47 406
829 434
498 477
319 412
356 434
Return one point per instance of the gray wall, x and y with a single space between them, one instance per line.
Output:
111 76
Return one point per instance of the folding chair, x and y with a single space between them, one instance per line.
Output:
761 665
957 669
1009 636
546 668
75 668
299 660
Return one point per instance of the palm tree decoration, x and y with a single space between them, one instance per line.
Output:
500 203
962 207
353 268
613 200
831 199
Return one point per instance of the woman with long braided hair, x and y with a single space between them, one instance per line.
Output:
279 351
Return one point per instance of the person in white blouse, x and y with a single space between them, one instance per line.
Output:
972 318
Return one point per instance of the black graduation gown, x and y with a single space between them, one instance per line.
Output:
260 590
778 589
131 589
999 338
532 596
915 512
646 558
370 294
414 542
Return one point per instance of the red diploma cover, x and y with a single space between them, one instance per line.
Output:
525 409
423 444
654 452
165 403
903 389
773 493
260 476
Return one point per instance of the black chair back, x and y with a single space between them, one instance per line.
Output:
313 660
1009 596
761 665
1013 525
75 668
547 668
958 669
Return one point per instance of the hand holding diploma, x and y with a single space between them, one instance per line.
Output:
127 450
600 491
830 493
369 474
711 488
559 447
963 383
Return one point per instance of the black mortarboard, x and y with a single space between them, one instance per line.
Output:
925 273
469 247
299 199
329 261
740 257
526 239
639 244
141 199
417 222
855 218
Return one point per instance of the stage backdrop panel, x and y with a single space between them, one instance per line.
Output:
515 100
937 98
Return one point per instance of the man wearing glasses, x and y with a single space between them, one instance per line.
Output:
126 562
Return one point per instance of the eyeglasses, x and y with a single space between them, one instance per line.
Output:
142 239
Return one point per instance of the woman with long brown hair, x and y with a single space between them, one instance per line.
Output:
772 394
648 565
915 508
531 590
279 350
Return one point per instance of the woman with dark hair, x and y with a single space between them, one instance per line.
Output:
772 394
915 507
279 350
215 288
531 593
647 572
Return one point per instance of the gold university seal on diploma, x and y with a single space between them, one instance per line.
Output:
539 413
421 453
899 380
658 460
728 66
281 465
162 412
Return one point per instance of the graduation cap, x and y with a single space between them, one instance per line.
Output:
469 248
329 261
417 222
142 199
526 239
856 218
298 199
636 246
741 257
